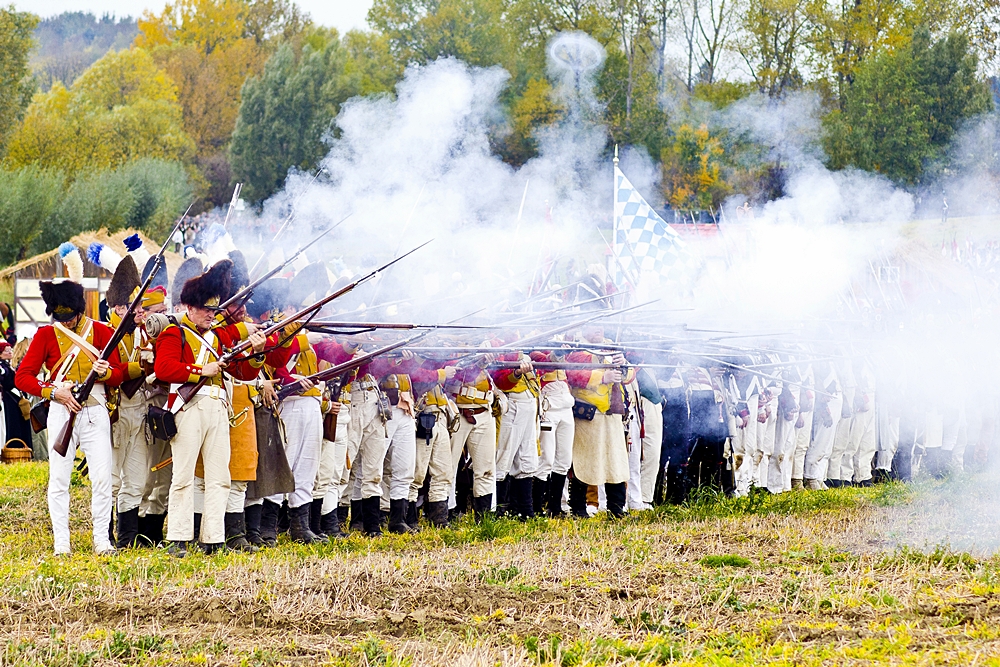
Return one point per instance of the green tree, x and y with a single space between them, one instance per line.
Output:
772 43
904 107
15 83
28 199
286 112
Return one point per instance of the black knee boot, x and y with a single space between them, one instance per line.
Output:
284 521
521 501
128 528
437 513
236 532
298 525
397 517
315 512
251 514
482 505
578 499
151 529
343 513
615 494
503 496
371 515
539 494
329 524
411 515
556 485
357 516
269 523
197 527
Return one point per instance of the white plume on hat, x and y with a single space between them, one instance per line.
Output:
72 260
103 256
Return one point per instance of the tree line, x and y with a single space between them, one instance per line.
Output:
213 92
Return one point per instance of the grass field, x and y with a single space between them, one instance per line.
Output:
800 579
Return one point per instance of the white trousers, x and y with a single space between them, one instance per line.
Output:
652 442
235 502
556 444
333 462
202 428
818 455
862 449
840 453
130 455
156 490
400 457
888 438
303 440
779 465
434 459
803 436
744 444
92 435
633 488
481 439
372 443
517 446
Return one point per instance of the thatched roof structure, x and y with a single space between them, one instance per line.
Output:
47 265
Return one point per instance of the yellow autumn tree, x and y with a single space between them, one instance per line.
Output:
122 108
692 169
209 48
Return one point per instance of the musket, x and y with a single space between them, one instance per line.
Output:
569 366
341 369
188 390
232 203
404 326
246 291
81 392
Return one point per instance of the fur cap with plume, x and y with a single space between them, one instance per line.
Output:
207 290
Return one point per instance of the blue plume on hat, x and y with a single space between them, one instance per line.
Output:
66 248
132 242
103 256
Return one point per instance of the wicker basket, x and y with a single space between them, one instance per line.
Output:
15 451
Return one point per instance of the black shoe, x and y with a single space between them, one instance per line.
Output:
315 514
269 523
371 515
251 516
298 525
482 505
151 530
397 517
329 525
197 527
178 549
578 499
437 513
343 512
357 516
411 515
213 548
521 499
539 495
881 476
864 484
556 485
128 528
834 483
615 494
455 516
236 532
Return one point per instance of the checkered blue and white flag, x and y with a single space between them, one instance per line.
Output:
643 241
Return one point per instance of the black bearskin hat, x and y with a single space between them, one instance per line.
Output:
309 285
270 295
162 277
123 284
240 276
63 300
207 290
189 269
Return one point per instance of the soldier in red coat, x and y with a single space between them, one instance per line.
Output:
186 352
63 354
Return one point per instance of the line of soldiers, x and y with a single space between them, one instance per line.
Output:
519 428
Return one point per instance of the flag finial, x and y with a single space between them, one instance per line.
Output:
616 155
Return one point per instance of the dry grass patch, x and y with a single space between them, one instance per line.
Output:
800 579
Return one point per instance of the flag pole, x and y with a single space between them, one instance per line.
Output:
614 219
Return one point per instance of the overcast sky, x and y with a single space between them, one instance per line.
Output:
341 14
